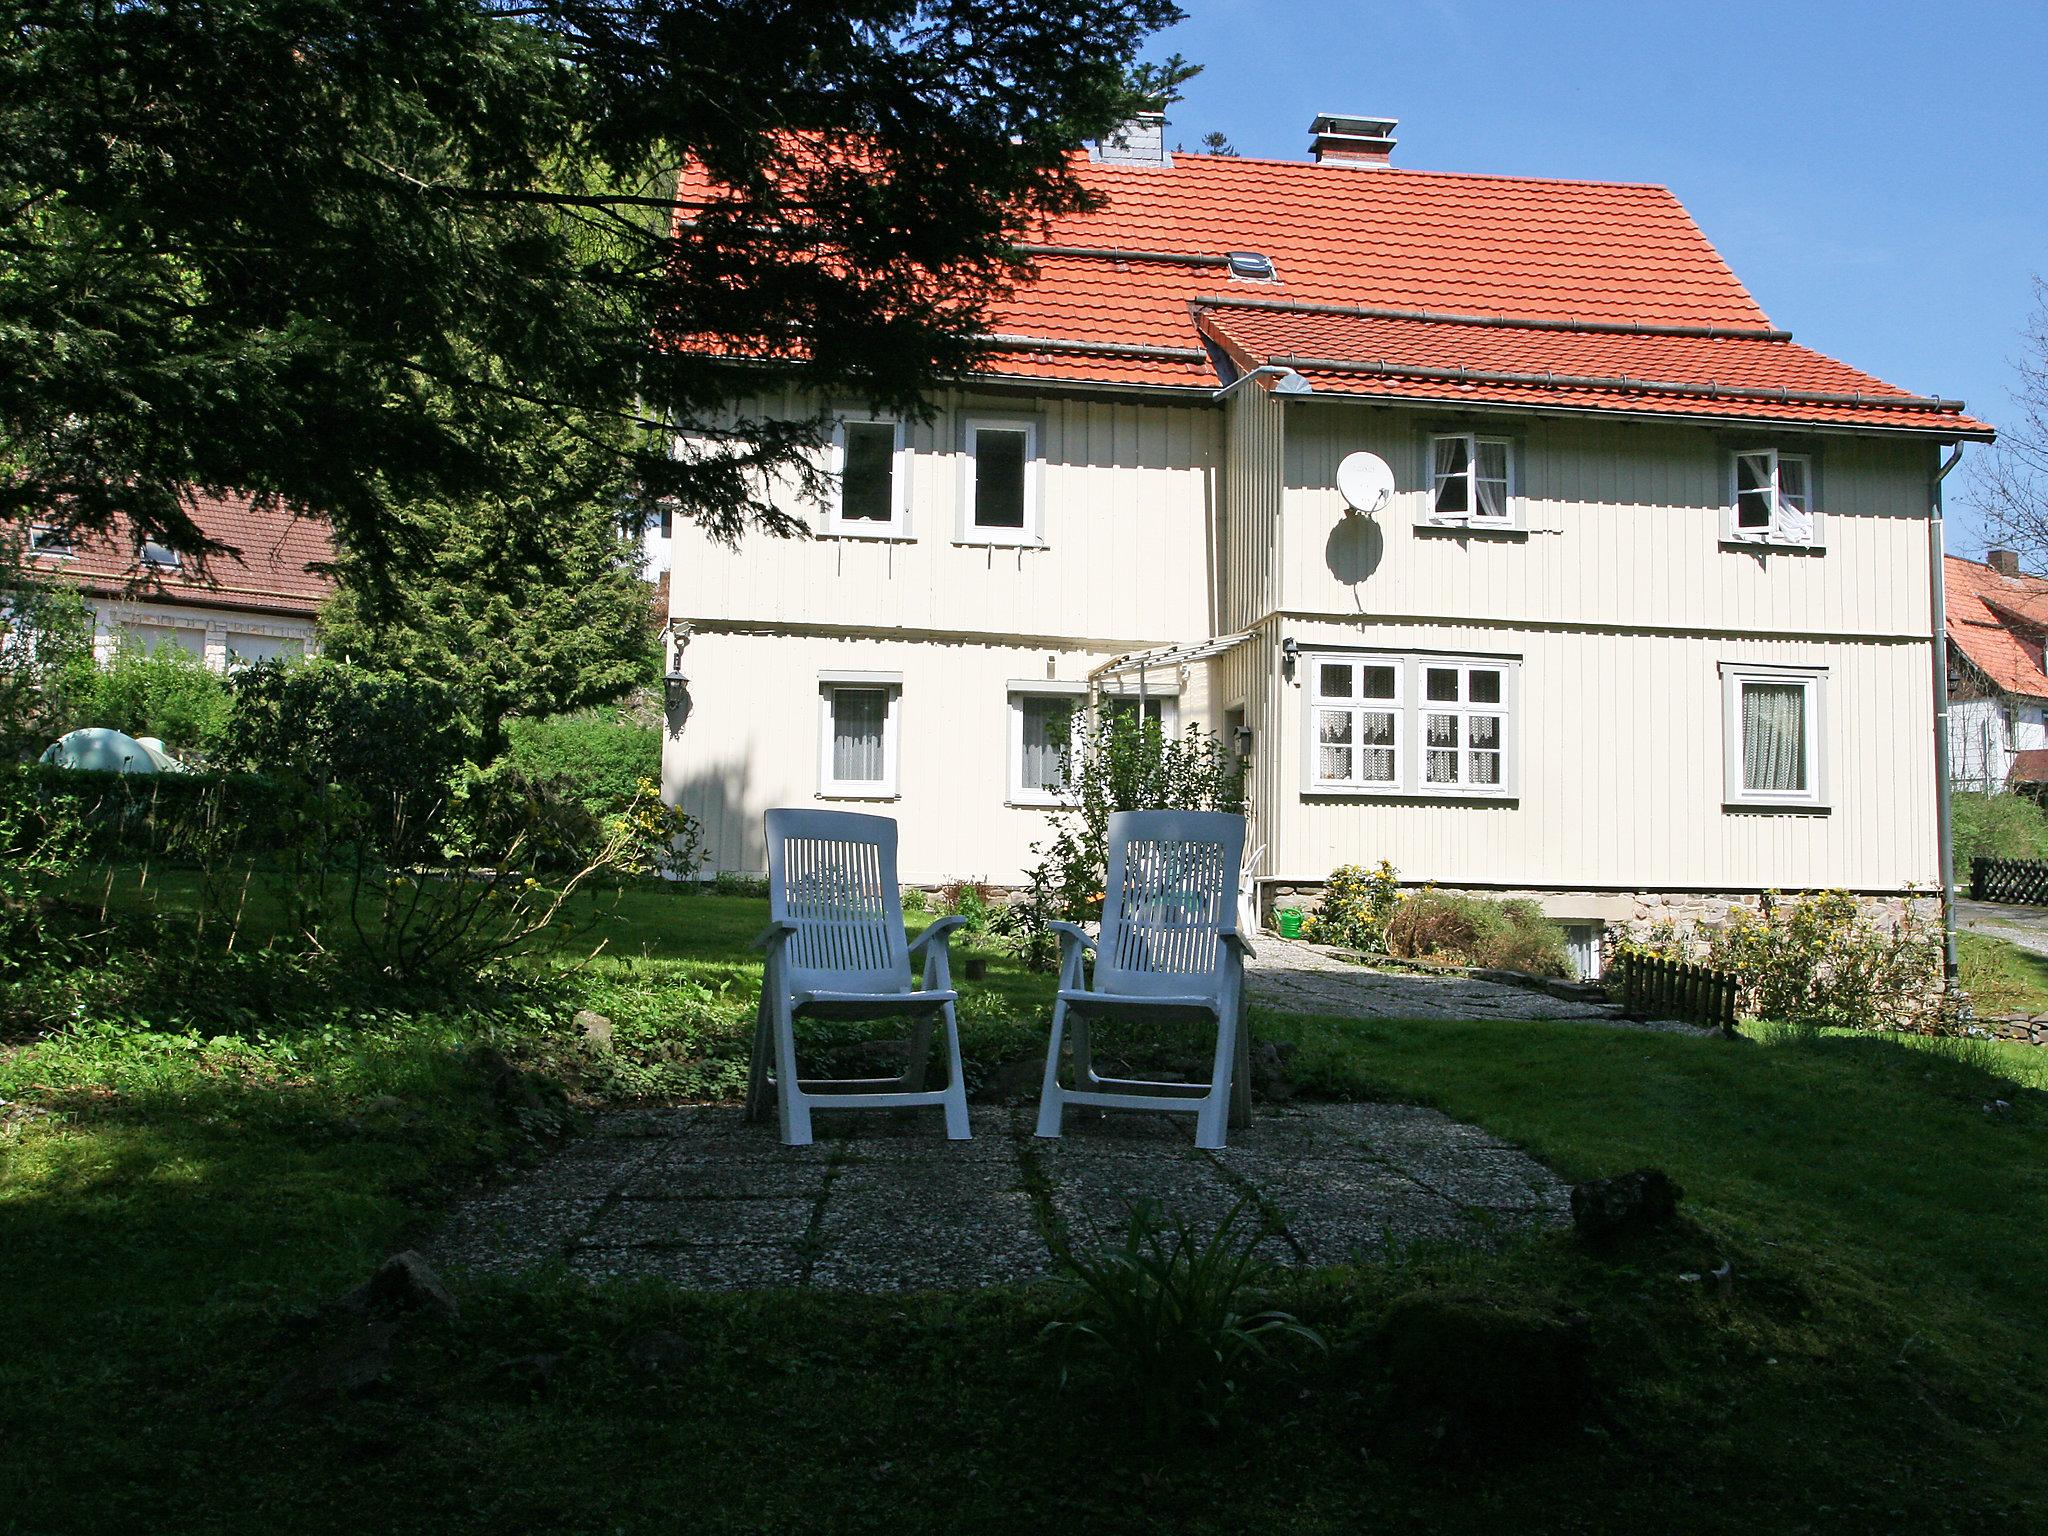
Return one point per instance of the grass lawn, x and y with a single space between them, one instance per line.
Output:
178 1201
2001 977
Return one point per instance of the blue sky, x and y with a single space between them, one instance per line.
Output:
1873 172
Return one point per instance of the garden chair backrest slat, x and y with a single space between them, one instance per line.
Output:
1172 894
833 874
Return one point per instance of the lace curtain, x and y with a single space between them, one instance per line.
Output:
1774 737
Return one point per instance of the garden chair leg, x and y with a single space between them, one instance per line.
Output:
956 1092
757 1065
792 1104
1051 1102
917 1059
1212 1119
1241 1075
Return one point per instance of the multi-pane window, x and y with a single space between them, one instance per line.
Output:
1162 710
1425 725
1462 722
1357 717
1040 730
1773 736
1773 498
1468 480
1002 480
872 494
858 738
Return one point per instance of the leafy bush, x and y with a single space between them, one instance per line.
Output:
46 662
1356 907
973 901
165 692
1114 762
178 816
1996 827
1167 1305
1818 960
660 839
42 840
1510 935
599 758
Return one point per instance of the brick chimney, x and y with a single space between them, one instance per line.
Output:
1141 141
1337 138
2004 561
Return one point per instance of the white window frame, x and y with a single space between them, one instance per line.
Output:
59 544
1463 709
1075 694
1791 526
837 524
165 558
1031 535
1409 707
1735 792
1472 518
884 788
1166 698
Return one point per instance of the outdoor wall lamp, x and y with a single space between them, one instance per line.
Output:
675 682
1290 648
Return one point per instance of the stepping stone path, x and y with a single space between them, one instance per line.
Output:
883 1203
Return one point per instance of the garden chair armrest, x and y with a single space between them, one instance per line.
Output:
1240 943
774 935
942 930
1072 933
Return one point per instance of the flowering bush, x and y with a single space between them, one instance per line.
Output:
1356 906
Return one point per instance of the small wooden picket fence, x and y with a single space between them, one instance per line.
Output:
1652 987
2023 881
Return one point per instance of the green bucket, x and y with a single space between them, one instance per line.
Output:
1288 920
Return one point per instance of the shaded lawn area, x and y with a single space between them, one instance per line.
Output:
1878 1364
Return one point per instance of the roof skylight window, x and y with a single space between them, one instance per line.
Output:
1251 266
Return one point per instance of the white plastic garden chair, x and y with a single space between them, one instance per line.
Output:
1169 949
836 949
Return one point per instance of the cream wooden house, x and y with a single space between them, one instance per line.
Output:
1645 626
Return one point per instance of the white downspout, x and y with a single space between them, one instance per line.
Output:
1938 596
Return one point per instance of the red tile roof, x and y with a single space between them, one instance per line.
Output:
273 570
1147 271
1984 623
2028 767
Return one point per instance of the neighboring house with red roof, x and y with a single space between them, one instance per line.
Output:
253 605
1998 690
1644 625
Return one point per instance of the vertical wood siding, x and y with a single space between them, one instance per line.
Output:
1250 507
1127 492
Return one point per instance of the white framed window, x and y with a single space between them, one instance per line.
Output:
159 556
859 728
47 543
1471 482
1000 499
1160 709
872 464
1355 710
1772 499
1041 724
1409 724
1773 729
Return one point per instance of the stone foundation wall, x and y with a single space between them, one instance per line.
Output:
2026 1028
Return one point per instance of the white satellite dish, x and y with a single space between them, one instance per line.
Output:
1365 482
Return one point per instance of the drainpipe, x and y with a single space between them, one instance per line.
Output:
1938 594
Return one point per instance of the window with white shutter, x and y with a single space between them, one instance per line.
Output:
1471 482
1774 501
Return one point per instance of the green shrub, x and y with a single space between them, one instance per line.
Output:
165 692
1356 907
1510 935
179 816
1819 960
46 663
599 759
1996 827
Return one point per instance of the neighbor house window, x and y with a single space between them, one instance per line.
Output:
1041 723
1469 481
1409 724
49 543
1773 500
161 556
858 734
1773 730
872 466
1002 482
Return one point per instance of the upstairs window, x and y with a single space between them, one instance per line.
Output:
873 479
159 556
1773 501
1410 724
1469 482
49 543
1002 482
